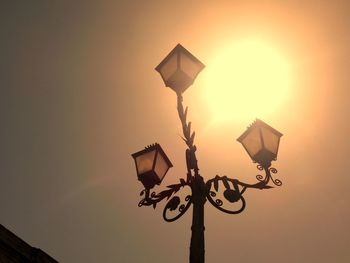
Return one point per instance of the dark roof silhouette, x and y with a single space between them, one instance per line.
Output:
14 250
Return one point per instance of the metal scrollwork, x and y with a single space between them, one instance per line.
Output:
152 199
175 204
235 195
231 195
276 182
268 176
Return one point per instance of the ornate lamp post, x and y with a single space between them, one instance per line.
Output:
179 70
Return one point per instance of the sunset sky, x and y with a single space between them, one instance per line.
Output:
79 94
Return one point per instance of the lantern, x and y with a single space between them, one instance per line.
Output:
151 165
179 69
261 142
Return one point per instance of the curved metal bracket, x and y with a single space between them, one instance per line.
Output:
236 194
154 198
231 195
173 204
268 176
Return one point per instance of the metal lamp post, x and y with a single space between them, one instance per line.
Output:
178 71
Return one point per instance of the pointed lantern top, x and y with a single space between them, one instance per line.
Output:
179 69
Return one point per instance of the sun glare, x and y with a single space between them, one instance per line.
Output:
245 80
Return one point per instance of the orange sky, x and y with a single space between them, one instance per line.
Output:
80 94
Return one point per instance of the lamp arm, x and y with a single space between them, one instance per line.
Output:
236 194
153 198
232 195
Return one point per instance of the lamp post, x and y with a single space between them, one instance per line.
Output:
178 71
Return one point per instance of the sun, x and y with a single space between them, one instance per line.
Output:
246 79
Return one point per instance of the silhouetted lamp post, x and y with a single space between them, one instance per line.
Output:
179 70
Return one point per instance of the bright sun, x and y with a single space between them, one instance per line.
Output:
245 80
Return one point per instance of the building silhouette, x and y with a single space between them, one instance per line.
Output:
15 250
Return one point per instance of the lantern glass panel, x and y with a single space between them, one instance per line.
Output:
252 142
145 161
189 67
161 166
169 68
271 140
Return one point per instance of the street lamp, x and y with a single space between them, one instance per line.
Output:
261 142
151 165
178 71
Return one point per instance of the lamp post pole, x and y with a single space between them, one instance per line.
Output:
197 238
198 190
260 141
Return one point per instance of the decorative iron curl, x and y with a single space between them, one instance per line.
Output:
174 204
218 203
276 181
152 199
260 167
265 179
232 195
260 178
268 171
273 170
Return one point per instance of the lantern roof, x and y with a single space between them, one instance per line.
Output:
255 124
179 49
150 148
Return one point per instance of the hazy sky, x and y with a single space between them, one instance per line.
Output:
79 94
